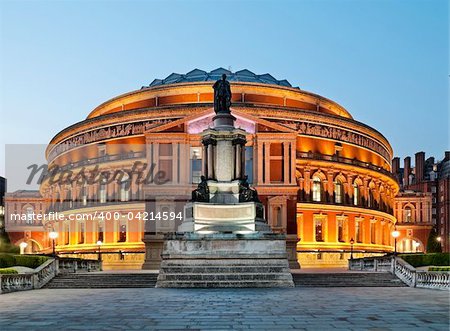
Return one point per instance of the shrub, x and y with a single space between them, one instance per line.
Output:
7 260
422 260
439 269
8 271
30 261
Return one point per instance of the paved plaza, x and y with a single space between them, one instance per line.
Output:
207 309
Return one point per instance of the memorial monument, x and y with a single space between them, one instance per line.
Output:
224 240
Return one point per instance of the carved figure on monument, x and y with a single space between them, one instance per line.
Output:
222 96
246 193
201 193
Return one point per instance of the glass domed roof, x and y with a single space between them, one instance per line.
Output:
198 75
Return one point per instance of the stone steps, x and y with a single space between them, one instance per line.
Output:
347 279
232 272
103 280
225 283
230 277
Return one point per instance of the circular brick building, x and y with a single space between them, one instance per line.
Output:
324 178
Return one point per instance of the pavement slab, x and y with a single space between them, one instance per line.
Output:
224 309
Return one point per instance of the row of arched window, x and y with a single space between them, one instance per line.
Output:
102 194
318 193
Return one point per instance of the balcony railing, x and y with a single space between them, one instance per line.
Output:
104 159
344 160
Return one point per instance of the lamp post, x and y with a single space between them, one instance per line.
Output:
23 245
99 244
395 235
53 235
351 248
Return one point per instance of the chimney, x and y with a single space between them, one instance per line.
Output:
447 156
396 165
420 166
406 170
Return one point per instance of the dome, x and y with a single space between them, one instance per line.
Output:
198 75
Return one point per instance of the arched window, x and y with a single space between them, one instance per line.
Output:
407 215
317 189
355 194
338 191
84 194
69 198
102 193
29 211
125 188
370 200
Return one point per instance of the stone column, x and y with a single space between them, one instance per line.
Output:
242 172
286 163
267 162
238 161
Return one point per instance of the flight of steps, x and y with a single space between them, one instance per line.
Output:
225 273
347 279
103 280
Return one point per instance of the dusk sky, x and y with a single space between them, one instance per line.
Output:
386 62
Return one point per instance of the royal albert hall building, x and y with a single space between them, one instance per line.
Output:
324 178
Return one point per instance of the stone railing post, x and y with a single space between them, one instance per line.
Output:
393 266
375 264
34 281
414 278
1 284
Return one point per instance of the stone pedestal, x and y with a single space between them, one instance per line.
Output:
224 260
291 250
213 217
154 244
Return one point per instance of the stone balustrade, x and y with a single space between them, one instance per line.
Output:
403 270
45 273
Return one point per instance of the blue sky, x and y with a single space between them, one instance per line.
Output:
385 61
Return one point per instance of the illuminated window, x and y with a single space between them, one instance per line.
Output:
372 233
125 188
84 194
66 234
102 193
370 201
29 211
316 189
355 194
407 215
341 230
319 229
358 231
81 233
338 190
69 198
100 232
122 232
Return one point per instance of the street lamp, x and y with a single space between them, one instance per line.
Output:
439 239
395 235
23 245
351 248
53 235
99 244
